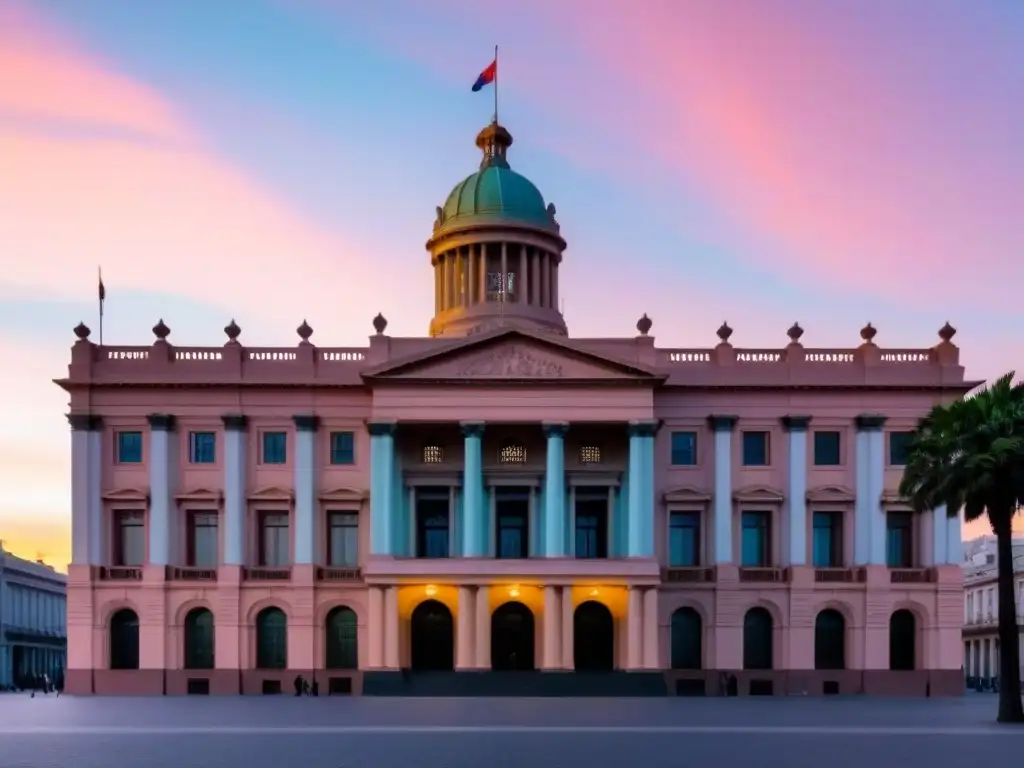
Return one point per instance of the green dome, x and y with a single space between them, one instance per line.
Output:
497 191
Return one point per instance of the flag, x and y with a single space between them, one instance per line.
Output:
102 290
487 77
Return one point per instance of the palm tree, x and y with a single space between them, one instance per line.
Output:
969 455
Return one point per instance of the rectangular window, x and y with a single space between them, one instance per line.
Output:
684 539
343 448
684 449
202 447
756 551
899 442
826 449
899 549
275 541
342 539
129 447
275 448
129 538
755 449
203 541
433 523
828 539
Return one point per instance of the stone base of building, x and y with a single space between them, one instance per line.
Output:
156 682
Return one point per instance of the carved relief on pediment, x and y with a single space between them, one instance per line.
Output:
512 361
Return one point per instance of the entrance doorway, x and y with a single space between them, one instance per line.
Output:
593 643
432 637
512 638
512 523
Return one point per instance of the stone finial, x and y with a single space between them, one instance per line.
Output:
161 331
380 324
304 331
724 332
795 332
82 331
644 325
232 331
552 211
946 332
868 333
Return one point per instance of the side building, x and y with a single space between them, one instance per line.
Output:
503 495
980 631
33 629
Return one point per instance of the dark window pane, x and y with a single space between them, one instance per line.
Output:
129 447
271 639
827 543
826 449
433 521
755 540
124 640
199 639
684 539
343 540
899 549
129 538
758 643
342 639
902 641
687 640
899 442
343 448
830 640
202 447
275 448
684 449
755 449
275 542
203 540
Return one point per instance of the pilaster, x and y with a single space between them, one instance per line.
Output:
86 491
552 646
306 427
640 507
163 471
382 467
722 426
465 621
235 426
796 491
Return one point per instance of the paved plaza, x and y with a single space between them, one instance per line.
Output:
47 732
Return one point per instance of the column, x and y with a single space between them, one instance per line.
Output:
723 427
234 489
568 628
504 270
465 621
869 516
549 295
482 641
570 544
305 488
796 489
481 254
534 523
955 541
935 552
537 281
634 628
375 628
554 281
162 463
84 488
471 278
551 657
382 468
554 489
473 490
640 503
391 660
651 629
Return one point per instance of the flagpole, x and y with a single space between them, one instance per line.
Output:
102 296
495 84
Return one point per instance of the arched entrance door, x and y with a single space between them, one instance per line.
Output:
433 637
512 637
757 639
902 640
593 642
830 640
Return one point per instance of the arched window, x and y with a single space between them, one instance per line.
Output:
199 639
757 639
433 454
830 640
687 639
902 640
124 640
271 639
512 452
590 454
342 642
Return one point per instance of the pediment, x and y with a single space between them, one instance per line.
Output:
343 494
759 494
128 494
272 493
209 495
831 494
512 355
686 494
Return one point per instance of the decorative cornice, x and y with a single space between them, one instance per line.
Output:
722 422
870 422
555 428
306 422
380 428
85 422
793 423
162 422
237 422
647 428
472 428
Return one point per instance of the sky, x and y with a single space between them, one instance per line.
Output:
756 161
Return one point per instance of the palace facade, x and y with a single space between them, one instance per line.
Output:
501 496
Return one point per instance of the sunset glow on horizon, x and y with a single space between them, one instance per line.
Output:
275 161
